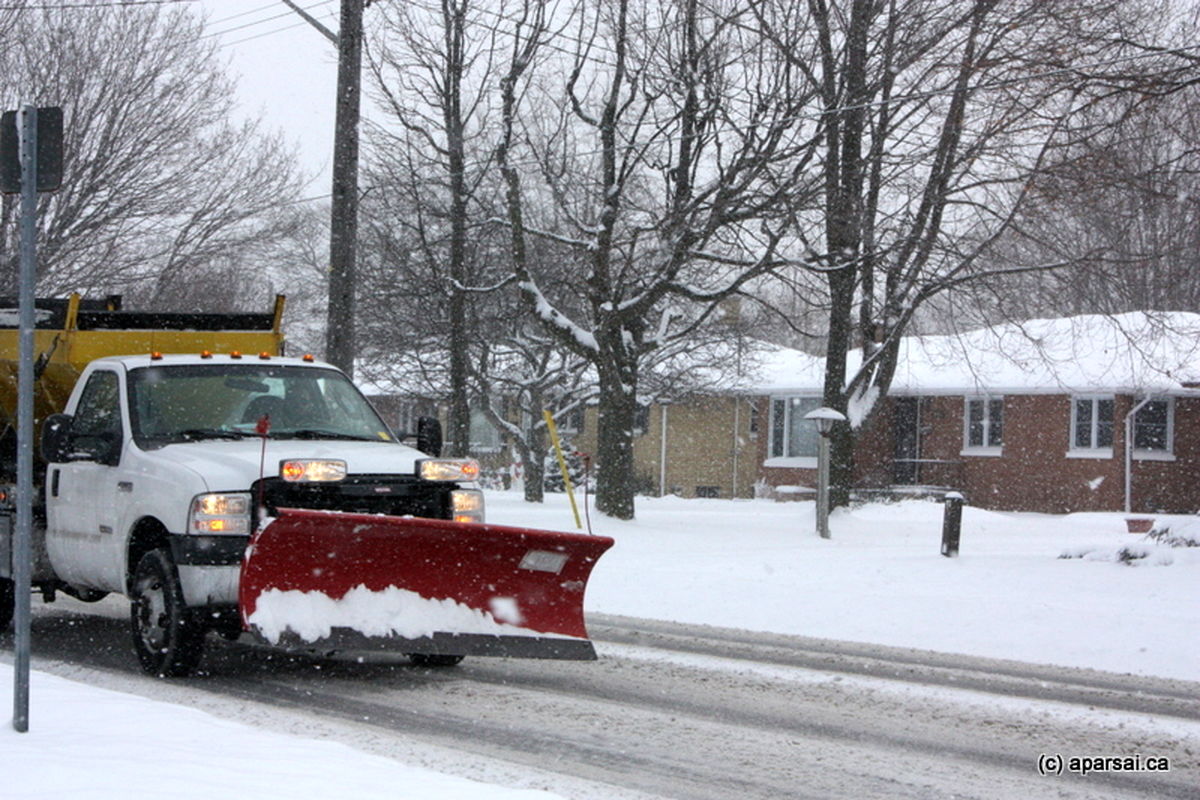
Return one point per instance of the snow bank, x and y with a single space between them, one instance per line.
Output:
96 744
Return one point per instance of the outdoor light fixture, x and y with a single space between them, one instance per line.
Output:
824 418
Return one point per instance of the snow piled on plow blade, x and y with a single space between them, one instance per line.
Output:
313 616
343 581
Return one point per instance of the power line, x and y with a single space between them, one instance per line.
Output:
264 20
867 105
822 113
265 33
241 14
96 4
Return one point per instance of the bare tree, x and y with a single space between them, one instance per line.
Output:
667 161
1122 208
161 188
431 68
936 118
519 377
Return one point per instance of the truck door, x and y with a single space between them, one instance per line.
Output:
82 539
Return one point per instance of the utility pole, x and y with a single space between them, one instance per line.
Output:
343 224
343 233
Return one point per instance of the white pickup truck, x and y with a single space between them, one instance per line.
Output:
163 465
225 488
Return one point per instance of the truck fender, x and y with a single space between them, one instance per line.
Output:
146 534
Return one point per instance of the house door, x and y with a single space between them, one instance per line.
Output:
906 433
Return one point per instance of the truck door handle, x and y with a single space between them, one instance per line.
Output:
124 486
54 483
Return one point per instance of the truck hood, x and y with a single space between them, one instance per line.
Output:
227 466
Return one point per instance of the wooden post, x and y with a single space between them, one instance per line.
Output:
951 524
340 347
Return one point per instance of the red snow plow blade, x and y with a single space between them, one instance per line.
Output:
337 581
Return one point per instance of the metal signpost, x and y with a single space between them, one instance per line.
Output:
31 154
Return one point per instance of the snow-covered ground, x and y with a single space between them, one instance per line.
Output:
881 578
92 744
752 564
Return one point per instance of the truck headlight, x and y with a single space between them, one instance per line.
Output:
448 469
312 470
220 514
466 505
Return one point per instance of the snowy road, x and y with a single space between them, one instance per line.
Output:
675 711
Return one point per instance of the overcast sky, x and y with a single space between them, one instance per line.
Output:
286 70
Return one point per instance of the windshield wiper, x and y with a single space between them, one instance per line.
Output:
314 433
192 434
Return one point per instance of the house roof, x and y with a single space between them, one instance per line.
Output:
1136 352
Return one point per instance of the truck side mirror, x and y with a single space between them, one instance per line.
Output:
429 436
56 438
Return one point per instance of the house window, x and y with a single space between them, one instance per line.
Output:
1092 423
408 413
708 491
984 428
485 437
793 436
1152 426
572 421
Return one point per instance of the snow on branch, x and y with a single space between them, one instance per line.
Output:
574 334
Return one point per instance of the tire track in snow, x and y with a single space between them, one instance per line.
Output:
699 713
1143 694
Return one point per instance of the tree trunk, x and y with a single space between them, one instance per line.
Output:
841 441
459 421
843 238
535 467
614 441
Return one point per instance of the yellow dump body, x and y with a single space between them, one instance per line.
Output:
77 335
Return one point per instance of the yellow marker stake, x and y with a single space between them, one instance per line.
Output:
562 465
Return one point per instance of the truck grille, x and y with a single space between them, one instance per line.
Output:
364 494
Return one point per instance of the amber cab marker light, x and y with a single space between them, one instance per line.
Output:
156 356
206 353
264 355
235 354
309 357
292 471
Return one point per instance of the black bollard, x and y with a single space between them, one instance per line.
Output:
951 524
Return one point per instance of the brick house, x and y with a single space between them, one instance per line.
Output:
1028 417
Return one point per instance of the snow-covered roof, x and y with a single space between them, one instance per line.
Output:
1136 352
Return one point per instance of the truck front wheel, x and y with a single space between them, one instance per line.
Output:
167 635
8 602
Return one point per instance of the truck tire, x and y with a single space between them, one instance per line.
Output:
8 602
168 636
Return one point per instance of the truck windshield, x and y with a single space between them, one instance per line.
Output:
185 402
